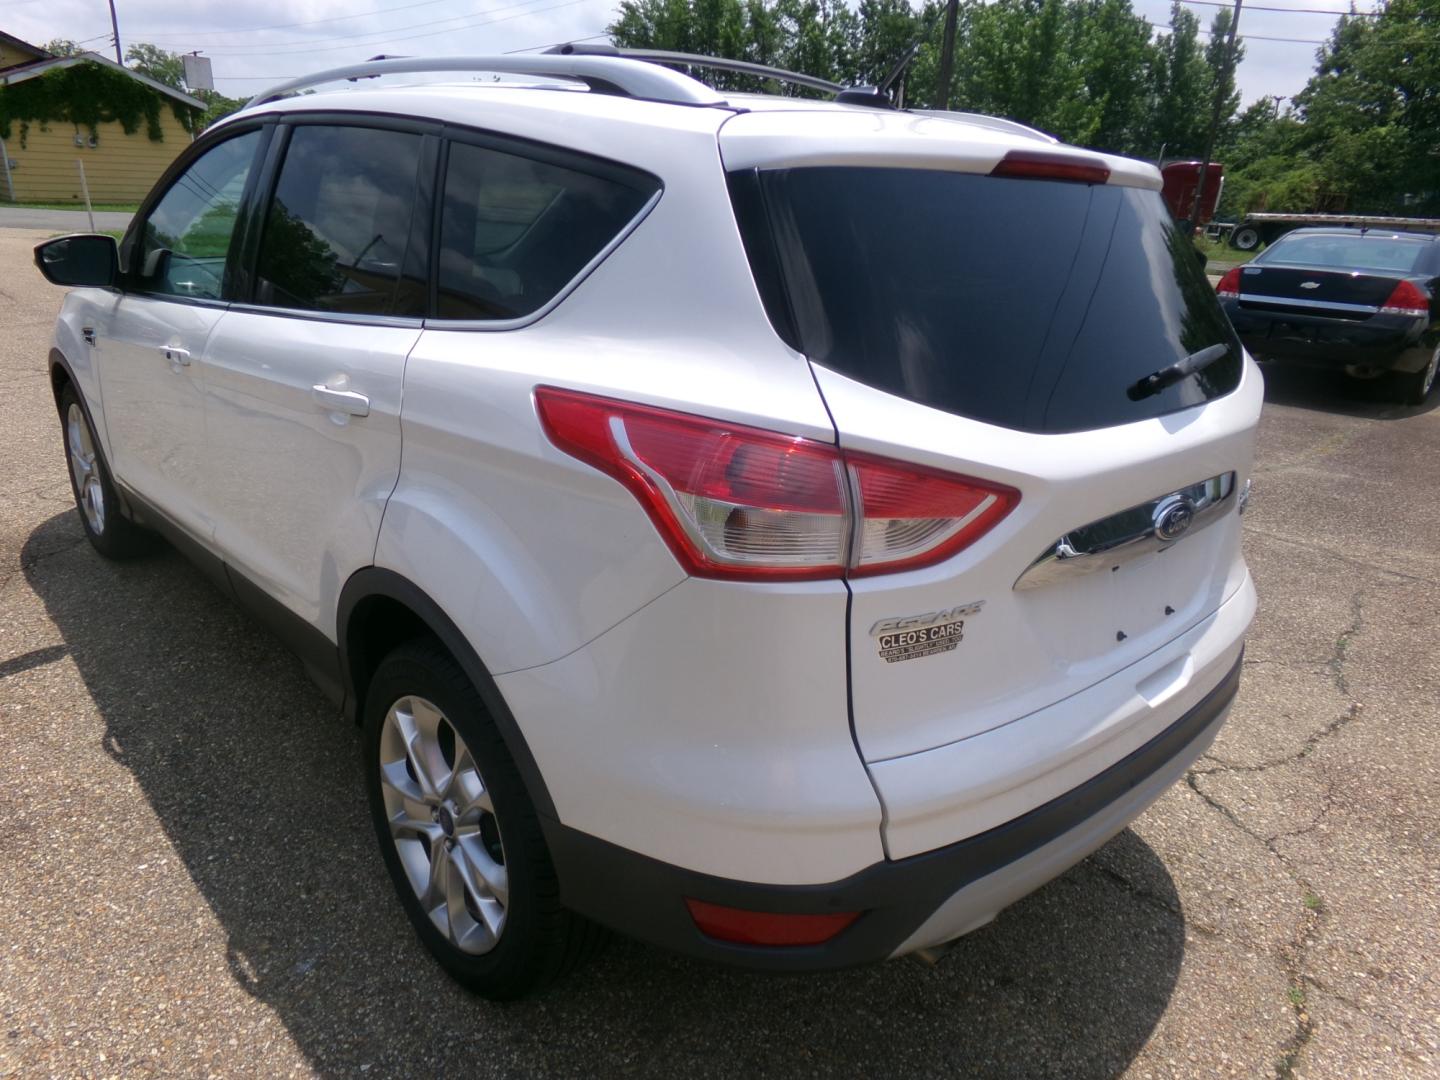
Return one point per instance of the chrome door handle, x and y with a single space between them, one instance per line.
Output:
177 356
343 401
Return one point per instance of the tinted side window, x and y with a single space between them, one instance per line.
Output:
186 238
337 227
515 231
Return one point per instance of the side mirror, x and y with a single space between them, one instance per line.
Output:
84 259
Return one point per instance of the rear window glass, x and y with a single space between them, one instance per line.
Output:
1346 252
514 231
1031 304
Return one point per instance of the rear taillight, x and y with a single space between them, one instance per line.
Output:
1229 285
1045 165
1406 299
740 502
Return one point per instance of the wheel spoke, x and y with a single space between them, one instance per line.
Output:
421 749
484 877
437 887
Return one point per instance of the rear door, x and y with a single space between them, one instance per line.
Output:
303 380
995 327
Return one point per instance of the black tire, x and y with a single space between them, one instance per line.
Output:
102 516
540 940
1416 386
1245 238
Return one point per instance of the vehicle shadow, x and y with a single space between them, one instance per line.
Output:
1335 392
256 781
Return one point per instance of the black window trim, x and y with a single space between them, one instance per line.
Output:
129 282
548 154
424 201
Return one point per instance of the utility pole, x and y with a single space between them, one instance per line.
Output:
947 51
115 30
1226 74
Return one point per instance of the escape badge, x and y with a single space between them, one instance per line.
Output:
910 637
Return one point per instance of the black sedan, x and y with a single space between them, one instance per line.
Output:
1361 300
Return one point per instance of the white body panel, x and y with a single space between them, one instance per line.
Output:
298 488
1027 649
554 552
709 730
963 789
155 416
81 309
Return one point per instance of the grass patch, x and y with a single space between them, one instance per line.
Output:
1297 996
1312 901
77 204
1221 257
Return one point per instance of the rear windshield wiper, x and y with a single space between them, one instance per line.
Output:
1168 376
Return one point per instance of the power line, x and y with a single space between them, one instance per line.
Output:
385 37
1293 11
305 22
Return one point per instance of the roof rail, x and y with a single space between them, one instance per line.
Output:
604 74
717 63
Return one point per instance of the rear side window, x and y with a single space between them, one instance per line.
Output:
337 227
1347 252
514 231
1030 304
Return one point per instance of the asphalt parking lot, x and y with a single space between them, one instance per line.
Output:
188 881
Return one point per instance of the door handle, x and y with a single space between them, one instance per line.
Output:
178 356
342 401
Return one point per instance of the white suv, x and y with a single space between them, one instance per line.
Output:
787 531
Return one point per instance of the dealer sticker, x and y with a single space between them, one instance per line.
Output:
910 637
926 641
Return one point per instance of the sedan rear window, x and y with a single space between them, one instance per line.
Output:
1347 252
1030 304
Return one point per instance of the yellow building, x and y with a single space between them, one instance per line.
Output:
42 160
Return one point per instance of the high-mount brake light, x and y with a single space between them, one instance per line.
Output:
1406 299
1043 165
742 503
1229 285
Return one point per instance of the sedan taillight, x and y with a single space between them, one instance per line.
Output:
1228 287
743 503
1406 299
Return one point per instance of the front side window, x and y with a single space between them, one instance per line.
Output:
515 231
186 239
337 228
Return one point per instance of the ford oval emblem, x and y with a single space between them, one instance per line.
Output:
1172 518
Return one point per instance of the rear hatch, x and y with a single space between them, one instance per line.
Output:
992 327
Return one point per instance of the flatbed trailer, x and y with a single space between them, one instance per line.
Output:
1256 229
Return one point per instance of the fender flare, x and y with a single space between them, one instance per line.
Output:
374 581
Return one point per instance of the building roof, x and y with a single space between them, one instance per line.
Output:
34 68
21 46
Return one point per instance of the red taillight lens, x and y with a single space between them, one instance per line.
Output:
913 516
766 927
1229 285
1042 165
1406 299
739 502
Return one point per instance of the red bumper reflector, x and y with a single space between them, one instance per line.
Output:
766 927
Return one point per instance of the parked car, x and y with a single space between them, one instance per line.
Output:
1362 300
786 531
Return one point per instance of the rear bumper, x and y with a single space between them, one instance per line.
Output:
1381 341
908 903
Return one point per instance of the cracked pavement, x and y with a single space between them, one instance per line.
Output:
188 884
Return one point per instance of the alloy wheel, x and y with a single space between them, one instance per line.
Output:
85 468
443 824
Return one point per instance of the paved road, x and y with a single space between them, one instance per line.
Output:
188 883
25 217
